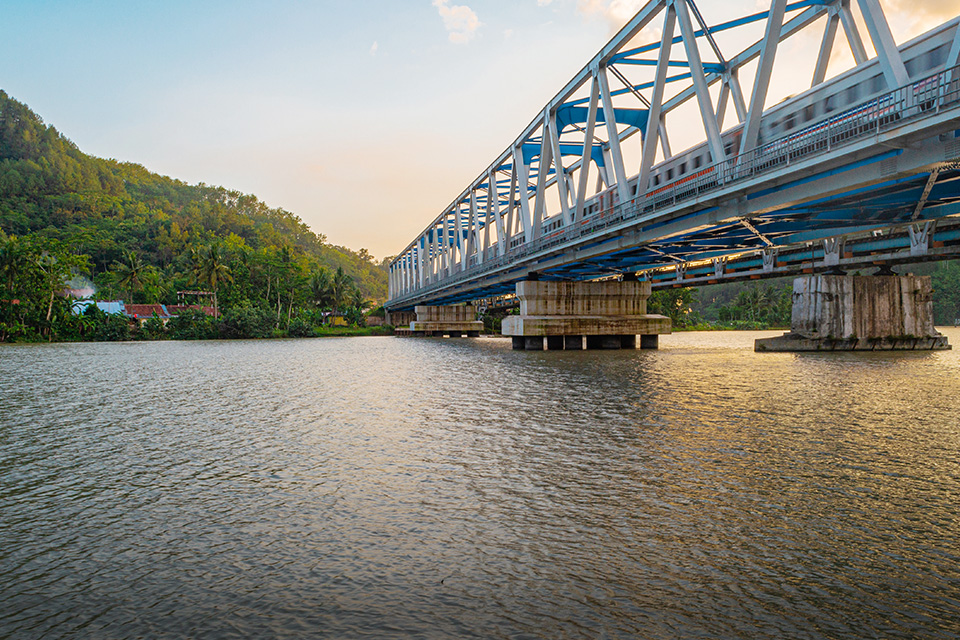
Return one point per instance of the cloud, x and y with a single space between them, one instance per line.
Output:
374 47
460 21
543 3
941 10
615 12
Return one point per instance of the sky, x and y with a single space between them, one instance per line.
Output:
365 118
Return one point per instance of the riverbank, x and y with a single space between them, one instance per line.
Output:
154 334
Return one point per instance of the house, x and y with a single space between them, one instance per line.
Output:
143 312
107 306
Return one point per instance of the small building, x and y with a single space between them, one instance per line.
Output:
143 312
107 306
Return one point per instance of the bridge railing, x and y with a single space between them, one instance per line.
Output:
925 97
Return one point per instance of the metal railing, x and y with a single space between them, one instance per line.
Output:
918 99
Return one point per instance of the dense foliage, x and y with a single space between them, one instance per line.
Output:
142 237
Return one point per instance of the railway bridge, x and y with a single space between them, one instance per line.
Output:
590 207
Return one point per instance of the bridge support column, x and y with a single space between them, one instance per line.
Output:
605 315
454 321
400 318
860 313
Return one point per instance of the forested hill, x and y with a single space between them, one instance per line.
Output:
108 209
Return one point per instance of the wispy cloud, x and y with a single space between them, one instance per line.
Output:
460 21
374 47
543 3
941 10
615 12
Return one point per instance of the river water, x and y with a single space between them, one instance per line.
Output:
410 488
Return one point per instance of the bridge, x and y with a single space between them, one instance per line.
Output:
856 170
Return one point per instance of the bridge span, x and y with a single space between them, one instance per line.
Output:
868 152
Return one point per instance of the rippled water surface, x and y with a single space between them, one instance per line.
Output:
404 488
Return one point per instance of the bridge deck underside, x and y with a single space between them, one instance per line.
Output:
881 205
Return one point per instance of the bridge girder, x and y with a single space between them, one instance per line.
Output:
572 153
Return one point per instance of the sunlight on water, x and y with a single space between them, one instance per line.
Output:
381 487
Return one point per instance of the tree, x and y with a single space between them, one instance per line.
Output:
215 271
340 287
357 300
673 303
130 272
320 289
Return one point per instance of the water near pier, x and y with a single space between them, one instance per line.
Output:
388 488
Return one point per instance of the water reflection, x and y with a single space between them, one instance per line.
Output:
440 488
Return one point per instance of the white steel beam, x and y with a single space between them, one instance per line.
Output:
700 81
543 168
587 149
656 103
493 196
472 235
513 218
722 100
826 47
458 226
768 52
736 92
613 135
523 192
953 57
852 32
561 174
664 139
883 43
487 219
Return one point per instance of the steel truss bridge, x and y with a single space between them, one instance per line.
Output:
858 169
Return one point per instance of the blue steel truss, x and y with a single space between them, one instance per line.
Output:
563 181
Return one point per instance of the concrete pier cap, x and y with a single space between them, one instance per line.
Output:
600 315
860 313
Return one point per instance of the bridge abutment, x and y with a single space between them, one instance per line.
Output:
577 315
860 313
440 321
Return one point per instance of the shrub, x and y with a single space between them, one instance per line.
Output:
300 328
153 329
247 321
193 325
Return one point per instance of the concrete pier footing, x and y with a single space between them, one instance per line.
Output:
578 315
860 313
440 321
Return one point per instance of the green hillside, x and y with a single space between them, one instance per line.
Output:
112 217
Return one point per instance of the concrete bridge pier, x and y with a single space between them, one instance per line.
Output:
584 315
440 321
860 313
400 319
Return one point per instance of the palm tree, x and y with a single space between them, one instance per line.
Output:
320 285
196 266
130 272
153 285
340 288
357 299
215 271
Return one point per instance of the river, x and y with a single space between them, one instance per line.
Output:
439 488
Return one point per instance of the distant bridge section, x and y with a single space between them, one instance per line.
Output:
873 148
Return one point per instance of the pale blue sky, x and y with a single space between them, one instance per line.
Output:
365 118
